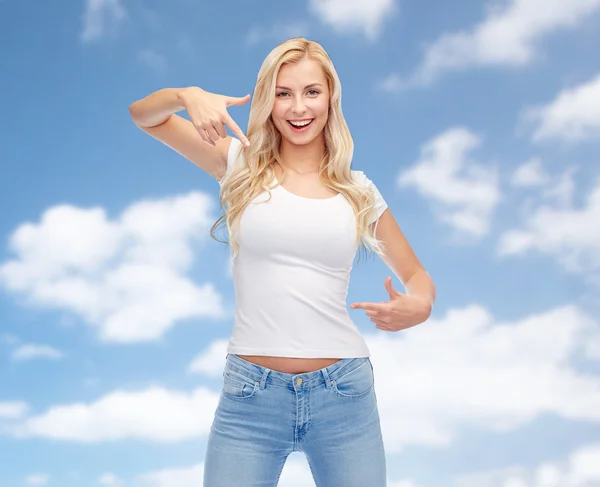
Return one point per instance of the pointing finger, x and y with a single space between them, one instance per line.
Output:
233 100
369 306
236 130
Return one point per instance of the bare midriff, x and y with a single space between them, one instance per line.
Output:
290 365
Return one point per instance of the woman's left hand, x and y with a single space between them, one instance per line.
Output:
400 312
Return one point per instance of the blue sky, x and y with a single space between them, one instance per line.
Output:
480 125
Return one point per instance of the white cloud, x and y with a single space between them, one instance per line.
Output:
99 16
581 469
530 174
573 116
155 413
13 409
463 192
366 16
109 480
464 368
558 190
509 35
211 361
30 351
126 276
37 479
563 189
468 369
569 235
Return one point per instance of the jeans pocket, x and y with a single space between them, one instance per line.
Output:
356 383
237 385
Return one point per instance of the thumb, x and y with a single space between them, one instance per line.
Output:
234 100
390 288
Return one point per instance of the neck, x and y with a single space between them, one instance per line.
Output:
302 159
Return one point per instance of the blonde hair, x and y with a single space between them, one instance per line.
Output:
246 181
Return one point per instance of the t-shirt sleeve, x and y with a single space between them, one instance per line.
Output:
232 155
380 203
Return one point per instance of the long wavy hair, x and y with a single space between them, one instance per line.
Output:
246 181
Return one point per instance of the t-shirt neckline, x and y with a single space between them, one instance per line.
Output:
279 185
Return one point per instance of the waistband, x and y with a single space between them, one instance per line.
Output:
258 373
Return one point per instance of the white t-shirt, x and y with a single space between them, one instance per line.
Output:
292 272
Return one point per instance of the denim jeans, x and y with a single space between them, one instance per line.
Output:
263 415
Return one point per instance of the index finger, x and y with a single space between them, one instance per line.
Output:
368 306
236 130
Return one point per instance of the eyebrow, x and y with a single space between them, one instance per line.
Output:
307 86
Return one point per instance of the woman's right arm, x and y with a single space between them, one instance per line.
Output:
203 139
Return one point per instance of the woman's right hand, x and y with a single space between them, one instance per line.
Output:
208 113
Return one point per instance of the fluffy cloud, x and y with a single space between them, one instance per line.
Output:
530 174
581 469
211 361
13 409
125 276
156 414
462 369
463 192
569 235
467 368
509 35
573 116
366 16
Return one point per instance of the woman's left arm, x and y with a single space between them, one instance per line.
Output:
403 310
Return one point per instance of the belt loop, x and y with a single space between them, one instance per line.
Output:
326 377
263 380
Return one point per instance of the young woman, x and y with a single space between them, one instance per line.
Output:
297 375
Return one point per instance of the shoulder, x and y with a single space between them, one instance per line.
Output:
358 176
361 178
233 155
234 150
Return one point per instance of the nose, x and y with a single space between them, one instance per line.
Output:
298 106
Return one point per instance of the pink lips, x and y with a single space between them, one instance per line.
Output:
300 129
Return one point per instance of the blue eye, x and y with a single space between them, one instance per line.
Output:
282 93
314 91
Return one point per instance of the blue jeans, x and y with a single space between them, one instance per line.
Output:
263 415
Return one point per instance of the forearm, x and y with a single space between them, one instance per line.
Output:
157 107
421 285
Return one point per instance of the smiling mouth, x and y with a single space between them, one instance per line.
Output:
302 127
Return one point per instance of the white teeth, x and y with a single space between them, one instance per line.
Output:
300 124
